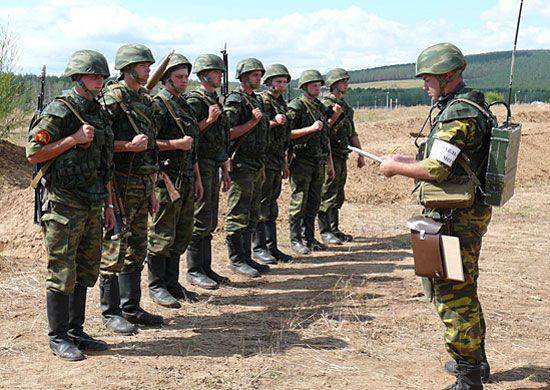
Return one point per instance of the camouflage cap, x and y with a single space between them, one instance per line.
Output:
132 54
276 70
336 75
208 62
87 62
177 59
439 59
248 65
310 76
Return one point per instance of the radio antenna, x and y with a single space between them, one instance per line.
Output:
512 64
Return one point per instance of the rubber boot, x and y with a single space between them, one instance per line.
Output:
247 250
334 216
309 236
156 275
77 314
109 298
296 239
468 377
130 297
451 366
271 242
172 281
327 235
206 244
57 309
237 259
196 275
259 245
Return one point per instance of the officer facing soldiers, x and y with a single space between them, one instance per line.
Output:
248 130
171 226
73 138
212 156
276 165
310 151
136 167
459 130
342 134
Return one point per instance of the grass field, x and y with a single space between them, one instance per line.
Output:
390 84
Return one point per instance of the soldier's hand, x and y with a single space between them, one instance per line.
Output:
337 109
185 143
199 190
360 162
317 126
153 204
139 143
226 181
214 111
84 135
280 119
286 172
257 114
331 173
109 220
386 166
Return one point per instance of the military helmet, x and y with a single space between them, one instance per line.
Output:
87 62
276 70
310 76
248 65
177 59
208 62
439 59
132 54
336 75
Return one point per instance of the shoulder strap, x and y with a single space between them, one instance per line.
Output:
310 108
117 95
207 99
72 109
486 113
170 109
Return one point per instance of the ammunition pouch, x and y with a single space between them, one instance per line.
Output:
425 239
452 194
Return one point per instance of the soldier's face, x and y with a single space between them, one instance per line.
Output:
279 84
180 78
142 70
254 79
214 77
342 86
94 83
314 89
431 86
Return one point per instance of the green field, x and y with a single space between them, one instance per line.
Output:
390 84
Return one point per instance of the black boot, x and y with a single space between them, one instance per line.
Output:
451 366
196 275
334 215
271 242
260 251
327 235
247 251
468 377
130 297
109 298
206 244
57 309
296 239
156 275
237 259
77 314
309 236
172 281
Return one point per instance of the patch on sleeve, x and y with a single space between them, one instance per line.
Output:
42 136
444 152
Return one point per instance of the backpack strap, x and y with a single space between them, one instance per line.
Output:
170 109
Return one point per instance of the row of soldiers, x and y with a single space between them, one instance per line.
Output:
116 155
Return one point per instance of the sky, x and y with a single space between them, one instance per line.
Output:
304 34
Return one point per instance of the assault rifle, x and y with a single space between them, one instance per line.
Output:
224 90
39 188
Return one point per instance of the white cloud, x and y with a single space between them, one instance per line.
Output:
351 37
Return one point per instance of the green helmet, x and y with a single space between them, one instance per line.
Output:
439 59
276 70
177 59
132 54
87 62
248 65
208 62
310 76
336 75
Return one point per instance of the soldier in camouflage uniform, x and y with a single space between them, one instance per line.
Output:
212 158
310 151
172 225
342 134
248 130
130 109
459 127
73 140
276 166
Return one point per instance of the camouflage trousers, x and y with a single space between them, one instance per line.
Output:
271 189
126 253
73 243
205 218
306 182
171 227
333 195
243 201
457 303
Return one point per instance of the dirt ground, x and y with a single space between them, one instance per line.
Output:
352 317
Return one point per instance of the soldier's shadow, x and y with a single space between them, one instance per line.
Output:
536 374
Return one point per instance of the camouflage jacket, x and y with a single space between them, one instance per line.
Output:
78 176
214 140
176 163
123 103
343 129
279 136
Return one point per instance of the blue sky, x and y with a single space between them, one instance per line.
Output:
301 34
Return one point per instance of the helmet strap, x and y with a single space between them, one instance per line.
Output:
178 90
83 86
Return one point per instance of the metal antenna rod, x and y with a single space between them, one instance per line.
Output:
512 64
